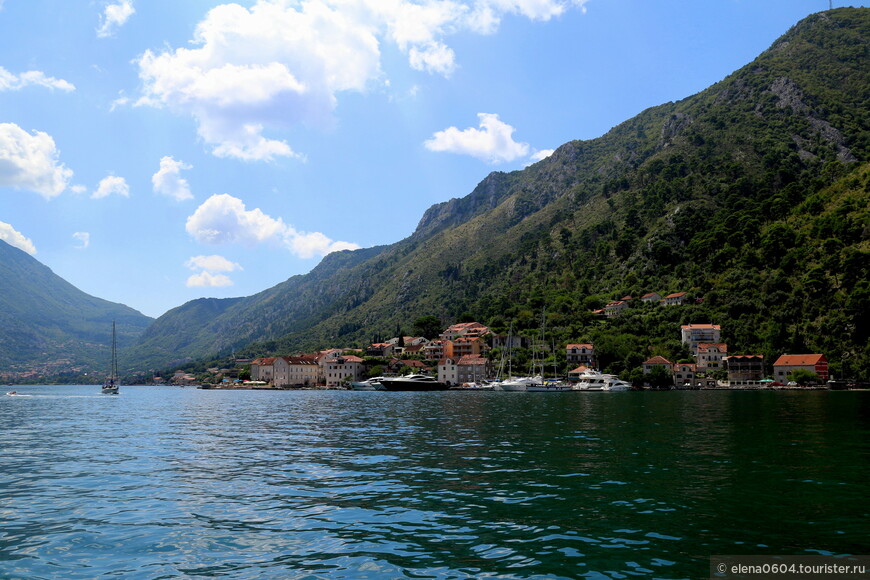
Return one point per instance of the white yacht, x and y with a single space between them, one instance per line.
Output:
596 381
521 383
372 384
550 386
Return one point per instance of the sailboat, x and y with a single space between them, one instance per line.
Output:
110 386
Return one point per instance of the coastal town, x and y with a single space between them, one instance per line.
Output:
463 355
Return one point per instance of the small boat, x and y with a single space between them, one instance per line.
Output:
550 387
413 383
521 384
12 393
372 384
474 386
110 386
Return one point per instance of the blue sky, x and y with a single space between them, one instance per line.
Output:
153 152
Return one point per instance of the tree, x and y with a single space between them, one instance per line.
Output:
427 326
803 377
660 377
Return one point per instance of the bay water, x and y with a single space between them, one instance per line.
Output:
166 482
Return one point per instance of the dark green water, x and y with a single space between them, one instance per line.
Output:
159 483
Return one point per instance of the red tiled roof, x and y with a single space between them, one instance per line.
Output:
657 360
675 295
578 370
702 326
706 346
800 360
588 346
472 359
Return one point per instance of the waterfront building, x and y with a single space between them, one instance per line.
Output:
262 369
708 356
465 345
472 368
744 369
337 370
657 361
684 374
814 363
448 372
297 371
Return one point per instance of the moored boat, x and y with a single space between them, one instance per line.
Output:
110 386
413 383
372 384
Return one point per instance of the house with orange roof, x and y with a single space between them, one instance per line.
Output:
296 371
675 299
262 369
651 297
466 329
684 374
438 349
657 361
614 308
708 356
472 368
580 354
695 334
465 345
337 370
814 363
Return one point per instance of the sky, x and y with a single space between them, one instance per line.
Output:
154 151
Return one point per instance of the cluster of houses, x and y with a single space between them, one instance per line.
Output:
614 308
704 341
458 355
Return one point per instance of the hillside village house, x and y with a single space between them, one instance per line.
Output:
651 297
675 299
468 345
744 368
614 308
466 329
582 354
814 363
709 356
695 334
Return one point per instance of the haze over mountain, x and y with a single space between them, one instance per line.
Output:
48 323
751 195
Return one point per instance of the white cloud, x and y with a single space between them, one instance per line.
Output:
168 180
493 142
208 280
253 71
13 82
211 267
83 238
16 239
111 185
114 17
540 155
30 162
213 263
225 219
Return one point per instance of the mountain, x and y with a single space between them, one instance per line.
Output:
751 195
49 324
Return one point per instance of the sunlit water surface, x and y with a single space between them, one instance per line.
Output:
169 482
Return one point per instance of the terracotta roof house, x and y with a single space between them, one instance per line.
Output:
815 363
651 297
675 299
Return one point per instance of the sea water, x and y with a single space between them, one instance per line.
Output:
162 482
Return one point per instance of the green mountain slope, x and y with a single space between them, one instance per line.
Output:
47 323
750 195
